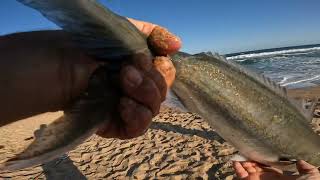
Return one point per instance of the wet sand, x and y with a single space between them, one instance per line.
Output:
177 146
309 92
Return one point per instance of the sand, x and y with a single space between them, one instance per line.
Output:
308 92
177 146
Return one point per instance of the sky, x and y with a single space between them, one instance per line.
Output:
224 26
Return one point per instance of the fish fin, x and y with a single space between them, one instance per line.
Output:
238 157
95 107
172 101
95 28
36 153
305 106
62 135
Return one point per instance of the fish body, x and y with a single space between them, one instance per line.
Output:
257 119
247 110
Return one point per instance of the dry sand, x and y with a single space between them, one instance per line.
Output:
177 146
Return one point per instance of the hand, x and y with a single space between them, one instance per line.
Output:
254 171
44 71
144 83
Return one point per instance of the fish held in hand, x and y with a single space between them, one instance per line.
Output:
109 38
248 111
104 35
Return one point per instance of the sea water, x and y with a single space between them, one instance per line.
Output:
293 67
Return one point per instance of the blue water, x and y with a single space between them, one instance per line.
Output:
290 66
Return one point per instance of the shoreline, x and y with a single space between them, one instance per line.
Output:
305 93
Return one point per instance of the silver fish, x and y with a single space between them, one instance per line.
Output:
104 35
248 110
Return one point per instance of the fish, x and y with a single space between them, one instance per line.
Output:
92 25
248 110
104 35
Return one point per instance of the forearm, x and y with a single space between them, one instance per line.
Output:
38 73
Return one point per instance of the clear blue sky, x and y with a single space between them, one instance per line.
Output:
224 26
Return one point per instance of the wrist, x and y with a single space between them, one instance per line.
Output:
40 72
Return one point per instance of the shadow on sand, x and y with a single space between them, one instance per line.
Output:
61 168
210 135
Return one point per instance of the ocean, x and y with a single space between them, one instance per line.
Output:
293 67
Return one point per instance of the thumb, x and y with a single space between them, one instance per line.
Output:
160 40
306 168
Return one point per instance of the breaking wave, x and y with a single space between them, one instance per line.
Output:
283 52
292 67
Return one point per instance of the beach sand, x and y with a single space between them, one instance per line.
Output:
302 93
177 146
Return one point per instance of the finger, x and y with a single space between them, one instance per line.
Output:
264 168
240 171
160 39
130 78
165 78
140 88
165 67
110 129
159 80
136 118
142 61
258 168
306 168
248 166
272 170
145 27
162 42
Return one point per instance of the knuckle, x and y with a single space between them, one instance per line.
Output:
131 78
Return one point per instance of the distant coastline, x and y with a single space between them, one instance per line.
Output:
272 50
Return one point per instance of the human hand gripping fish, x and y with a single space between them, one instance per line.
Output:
249 111
64 68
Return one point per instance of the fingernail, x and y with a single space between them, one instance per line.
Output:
133 77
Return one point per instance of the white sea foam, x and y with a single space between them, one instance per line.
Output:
300 81
284 80
243 56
